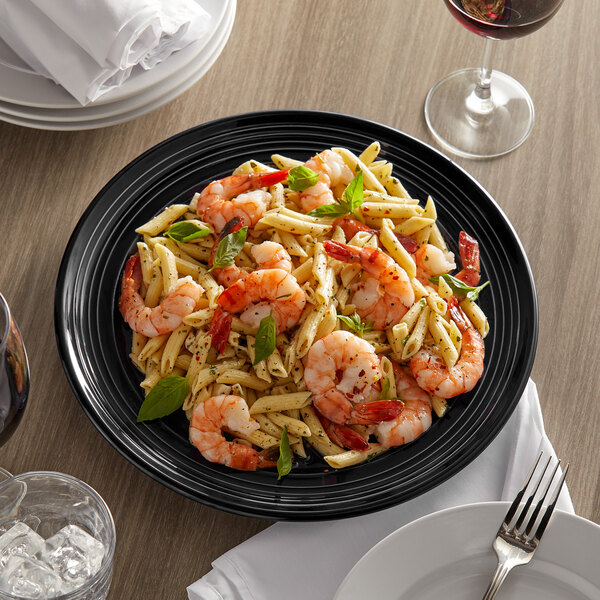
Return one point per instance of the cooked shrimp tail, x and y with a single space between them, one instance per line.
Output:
458 316
342 435
343 252
469 256
370 413
220 328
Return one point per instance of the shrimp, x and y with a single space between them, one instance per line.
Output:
168 315
342 372
237 196
432 261
415 417
431 372
469 257
343 435
385 294
271 255
261 293
226 413
335 175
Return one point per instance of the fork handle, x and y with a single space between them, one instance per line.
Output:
498 578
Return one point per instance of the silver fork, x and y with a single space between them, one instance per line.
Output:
515 544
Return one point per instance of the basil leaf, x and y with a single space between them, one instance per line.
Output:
458 287
184 231
301 178
284 462
330 210
265 339
197 234
229 247
473 295
355 323
354 193
164 398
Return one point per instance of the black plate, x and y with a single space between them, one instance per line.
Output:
94 342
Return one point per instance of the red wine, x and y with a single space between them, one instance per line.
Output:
503 19
14 374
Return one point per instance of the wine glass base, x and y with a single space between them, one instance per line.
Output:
474 133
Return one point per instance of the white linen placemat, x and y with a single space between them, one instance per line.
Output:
90 46
296 561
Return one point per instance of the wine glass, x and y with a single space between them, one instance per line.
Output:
480 113
14 373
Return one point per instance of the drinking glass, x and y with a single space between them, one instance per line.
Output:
481 113
14 373
57 516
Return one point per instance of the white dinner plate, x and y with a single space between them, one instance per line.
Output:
449 555
110 115
18 85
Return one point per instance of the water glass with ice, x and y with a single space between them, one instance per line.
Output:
57 538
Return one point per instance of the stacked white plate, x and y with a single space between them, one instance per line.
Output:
31 100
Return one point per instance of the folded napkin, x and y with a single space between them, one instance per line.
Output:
274 564
91 46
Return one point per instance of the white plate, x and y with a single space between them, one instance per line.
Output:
161 89
169 93
23 87
449 555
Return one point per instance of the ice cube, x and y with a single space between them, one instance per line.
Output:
29 578
73 554
20 540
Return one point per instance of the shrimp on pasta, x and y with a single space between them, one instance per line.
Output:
342 371
385 293
293 329
165 317
236 196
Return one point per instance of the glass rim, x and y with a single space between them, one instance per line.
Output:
6 310
109 556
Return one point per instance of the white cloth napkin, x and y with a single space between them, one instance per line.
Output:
296 561
90 46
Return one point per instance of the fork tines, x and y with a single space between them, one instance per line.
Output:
523 526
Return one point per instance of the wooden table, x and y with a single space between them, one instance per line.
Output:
375 59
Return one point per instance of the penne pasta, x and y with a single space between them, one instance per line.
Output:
280 402
476 316
396 250
172 348
350 458
164 220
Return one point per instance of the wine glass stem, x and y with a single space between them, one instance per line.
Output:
479 102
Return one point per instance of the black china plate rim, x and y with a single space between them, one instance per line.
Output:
227 491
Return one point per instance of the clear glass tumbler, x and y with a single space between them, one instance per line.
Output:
52 503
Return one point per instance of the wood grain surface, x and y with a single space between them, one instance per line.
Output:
371 58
